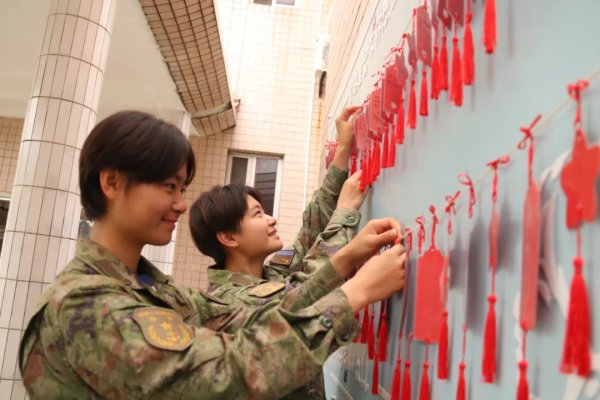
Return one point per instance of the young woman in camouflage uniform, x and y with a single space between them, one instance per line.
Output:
112 325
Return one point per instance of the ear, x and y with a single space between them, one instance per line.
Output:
111 182
228 240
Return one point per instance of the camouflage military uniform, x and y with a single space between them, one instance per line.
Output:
99 332
323 232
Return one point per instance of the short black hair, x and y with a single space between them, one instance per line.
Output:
144 148
221 209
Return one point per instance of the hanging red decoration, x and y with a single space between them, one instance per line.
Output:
353 162
489 26
442 364
371 338
429 302
443 77
461 389
424 107
375 380
489 341
435 67
412 103
465 179
523 386
468 49
382 339
456 92
531 237
391 158
384 154
406 384
399 134
578 179
424 393
364 331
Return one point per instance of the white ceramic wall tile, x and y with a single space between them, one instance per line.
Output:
64 109
23 209
48 34
45 221
85 8
51 259
35 207
56 37
15 255
91 86
55 166
59 212
33 295
18 390
74 182
39 258
3 339
18 309
73 7
10 354
73 127
72 201
63 254
79 38
6 389
99 45
88 119
66 168
90 39
39 165
26 260
70 81
7 302
82 78
50 120
58 81
15 198
97 91
96 11
5 255
38 121
48 74
2 287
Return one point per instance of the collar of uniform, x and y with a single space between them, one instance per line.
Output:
218 277
103 261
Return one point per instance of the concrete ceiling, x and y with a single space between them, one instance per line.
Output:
136 74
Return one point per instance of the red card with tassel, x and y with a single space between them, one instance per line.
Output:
406 383
424 53
412 61
578 179
429 303
489 341
461 387
382 335
456 90
531 238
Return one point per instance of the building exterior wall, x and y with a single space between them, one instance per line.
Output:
270 57
10 138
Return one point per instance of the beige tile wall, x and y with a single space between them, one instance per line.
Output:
270 53
10 139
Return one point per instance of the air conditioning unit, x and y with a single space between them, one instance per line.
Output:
322 54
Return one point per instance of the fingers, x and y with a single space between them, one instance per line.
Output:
383 224
347 113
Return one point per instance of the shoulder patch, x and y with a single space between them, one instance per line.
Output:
163 328
283 257
266 289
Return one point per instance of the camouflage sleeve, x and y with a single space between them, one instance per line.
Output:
125 349
318 212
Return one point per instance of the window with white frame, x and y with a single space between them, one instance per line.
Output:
262 173
276 2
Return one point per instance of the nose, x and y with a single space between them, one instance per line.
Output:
179 203
272 220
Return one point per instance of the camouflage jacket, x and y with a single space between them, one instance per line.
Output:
100 332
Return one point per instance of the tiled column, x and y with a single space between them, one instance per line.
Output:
44 212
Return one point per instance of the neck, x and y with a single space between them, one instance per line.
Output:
235 262
121 247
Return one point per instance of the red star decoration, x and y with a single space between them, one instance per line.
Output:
578 180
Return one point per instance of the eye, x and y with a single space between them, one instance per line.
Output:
171 186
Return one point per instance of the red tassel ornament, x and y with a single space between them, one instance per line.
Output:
395 394
412 105
424 106
406 384
442 364
456 92
382 340
443 69
468 50
461 389
523 388
384 154
399 134
392 151
489 344
489 26
371 339
424 392
364 331
375 380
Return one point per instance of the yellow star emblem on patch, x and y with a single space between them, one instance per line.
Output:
163 328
